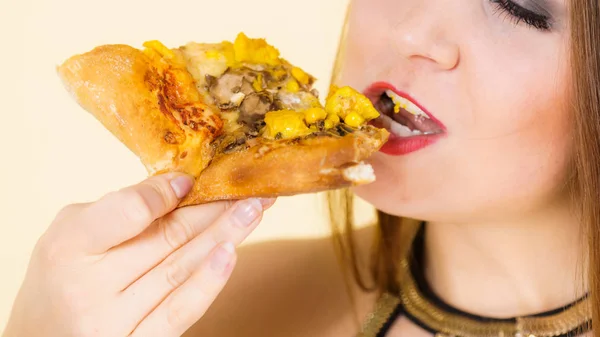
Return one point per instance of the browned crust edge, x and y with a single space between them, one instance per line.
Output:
110 83
286 168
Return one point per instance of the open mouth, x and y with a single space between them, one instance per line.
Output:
401 115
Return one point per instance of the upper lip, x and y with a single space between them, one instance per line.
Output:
375 91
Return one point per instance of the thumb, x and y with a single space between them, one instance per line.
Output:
122 215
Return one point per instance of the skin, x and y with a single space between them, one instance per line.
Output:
491 190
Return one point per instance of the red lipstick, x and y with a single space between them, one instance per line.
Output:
408 133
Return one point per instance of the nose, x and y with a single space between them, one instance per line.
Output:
425 34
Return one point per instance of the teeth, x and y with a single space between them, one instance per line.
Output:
397 128
403 131
401 102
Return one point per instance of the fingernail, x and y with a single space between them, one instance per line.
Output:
246 211
182 185
267 202
222 257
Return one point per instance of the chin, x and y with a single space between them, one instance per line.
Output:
397 191
388 197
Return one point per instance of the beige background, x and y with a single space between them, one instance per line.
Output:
53 153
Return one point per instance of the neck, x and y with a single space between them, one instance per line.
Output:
506 269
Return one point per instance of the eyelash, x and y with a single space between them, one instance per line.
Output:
518 14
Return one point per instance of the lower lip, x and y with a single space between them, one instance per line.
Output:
399 146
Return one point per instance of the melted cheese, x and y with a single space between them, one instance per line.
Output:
257 85
354 119
285 124
346 101
205 59
292 86
255 51
213 54
159 48
228 51
231 121
331 121
314 115
300 75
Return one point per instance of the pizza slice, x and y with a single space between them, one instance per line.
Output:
235 115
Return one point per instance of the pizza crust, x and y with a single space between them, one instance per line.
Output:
123 88
288 168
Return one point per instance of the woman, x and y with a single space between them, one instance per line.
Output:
495 152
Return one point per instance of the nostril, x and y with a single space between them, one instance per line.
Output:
446 54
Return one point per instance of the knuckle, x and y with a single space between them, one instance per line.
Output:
136 208
175 317
176 274
228 204
180 315
67 211
49 252
162 189
176 230
216 236
113 195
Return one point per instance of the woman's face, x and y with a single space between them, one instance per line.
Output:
491 78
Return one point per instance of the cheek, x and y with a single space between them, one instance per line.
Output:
519 163
365 51
516 136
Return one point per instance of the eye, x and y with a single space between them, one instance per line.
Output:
520 14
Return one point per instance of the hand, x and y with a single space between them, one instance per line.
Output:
130 265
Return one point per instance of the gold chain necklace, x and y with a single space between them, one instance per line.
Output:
573 319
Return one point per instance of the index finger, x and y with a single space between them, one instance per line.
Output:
122 215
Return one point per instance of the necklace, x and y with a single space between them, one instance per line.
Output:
437 317
416 302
